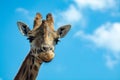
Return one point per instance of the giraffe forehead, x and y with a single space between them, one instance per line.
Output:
45 29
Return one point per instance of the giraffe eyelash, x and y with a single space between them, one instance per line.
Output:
31 38
57 40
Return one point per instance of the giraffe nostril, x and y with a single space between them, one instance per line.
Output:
51 49
45 48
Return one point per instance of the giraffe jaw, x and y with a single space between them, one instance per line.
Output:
47 56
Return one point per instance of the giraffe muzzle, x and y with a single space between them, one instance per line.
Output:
46 48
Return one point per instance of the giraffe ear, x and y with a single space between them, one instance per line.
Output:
24 29
63 30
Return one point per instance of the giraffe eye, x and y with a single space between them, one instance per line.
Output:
30 38
56 40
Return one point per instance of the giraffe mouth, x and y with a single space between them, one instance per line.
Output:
46 56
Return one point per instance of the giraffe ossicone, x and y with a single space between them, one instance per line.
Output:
43 39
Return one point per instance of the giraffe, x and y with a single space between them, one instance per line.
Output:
42 39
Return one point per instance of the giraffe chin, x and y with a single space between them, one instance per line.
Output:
47 56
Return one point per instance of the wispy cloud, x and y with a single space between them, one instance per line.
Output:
75 12
96 5
71 16
111 63
106 36
22 10
26 14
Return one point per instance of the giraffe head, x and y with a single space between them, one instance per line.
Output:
43 37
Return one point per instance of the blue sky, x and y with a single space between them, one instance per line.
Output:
90 51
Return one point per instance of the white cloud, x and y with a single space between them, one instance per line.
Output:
71 15
25 14
96 4
107 37
110 62
77 14
22 10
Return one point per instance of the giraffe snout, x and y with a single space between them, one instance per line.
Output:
46 48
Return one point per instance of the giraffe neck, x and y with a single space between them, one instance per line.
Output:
29 68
